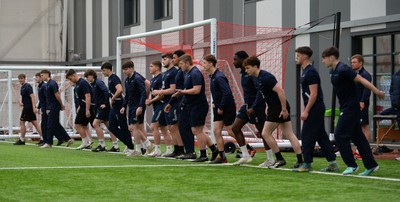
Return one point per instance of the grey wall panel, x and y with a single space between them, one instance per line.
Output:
250 11
80 28
207 9
392 7
114 25
238 8
188 17
97 24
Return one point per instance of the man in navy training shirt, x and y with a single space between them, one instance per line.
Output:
255 116
313 114
117 121
195 98
85 111
29 110
348 127
41 106
223 104
158 120
278 110
102 109
54 106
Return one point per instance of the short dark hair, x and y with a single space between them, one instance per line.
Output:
38 74
106 65
210 58
21 76
156 63
331 51
252 61
305 50
167 55
69 73
186 58
128 64
179 53
45 71
242 54
90 72
358 57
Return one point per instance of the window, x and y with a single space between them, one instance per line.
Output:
131 12
162 9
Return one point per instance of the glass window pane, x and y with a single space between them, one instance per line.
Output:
367 47
383 64
397 63
368 64
383 44
397 42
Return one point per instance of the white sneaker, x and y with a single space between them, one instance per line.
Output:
46 146
337 153
82 146
155 153
398 158
149 148
243 160
267 164
69 142
168 152
126 150
134 153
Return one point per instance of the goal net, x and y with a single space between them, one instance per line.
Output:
269 44
10 109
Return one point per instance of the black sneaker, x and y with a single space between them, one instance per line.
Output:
238 154
60 142
187 156
279 163
19 142
385 149
113 149
214 155
201 159
219 160
378 151
143 151
297 165
171 155
88 147
40 143
99 148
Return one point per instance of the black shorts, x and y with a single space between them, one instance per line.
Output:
133 119
172 116
81 118
273 113
228 115
364 119
28 115
103 114
258 116
159 115
197 114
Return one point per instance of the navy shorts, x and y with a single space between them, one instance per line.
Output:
28 115
159 115
171 117
273 113
256 118
228 115
81 118
198 114
364 119
103 114
133 119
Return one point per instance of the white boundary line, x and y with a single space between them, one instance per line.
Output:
181 165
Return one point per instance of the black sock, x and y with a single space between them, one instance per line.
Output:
175 149
213 147
181 149
278 156
299 158
203 153
222 154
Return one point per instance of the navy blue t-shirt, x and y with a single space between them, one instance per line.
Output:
42 96
180 79
135 91
51 90
156 84
249 85
267 82
220 90
194 77
363 93
100 92
113 81
309 77
26 91
168 78
82 87
342 77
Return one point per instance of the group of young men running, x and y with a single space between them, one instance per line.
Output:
180 107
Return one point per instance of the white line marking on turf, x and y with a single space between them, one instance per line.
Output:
183 165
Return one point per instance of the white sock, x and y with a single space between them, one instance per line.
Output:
22 139
85 140
139 147
146 143
269 155
41 137
102 142
245 153
115 144
158 147
169 148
